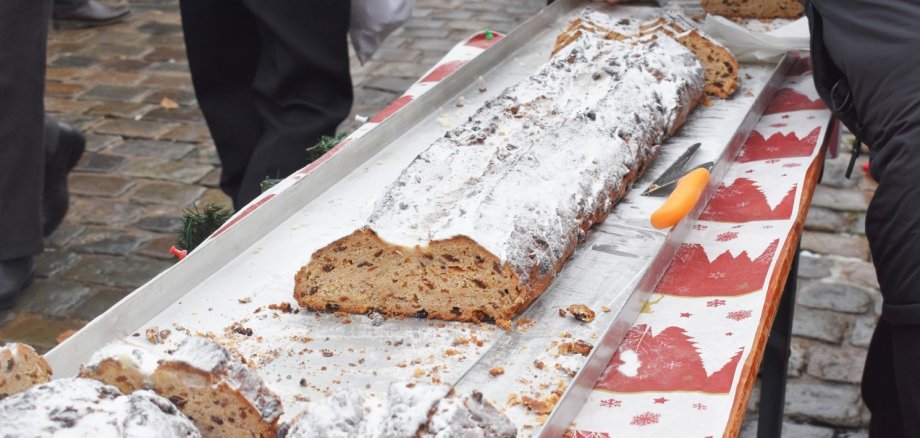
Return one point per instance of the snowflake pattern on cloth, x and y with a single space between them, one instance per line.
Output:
682 363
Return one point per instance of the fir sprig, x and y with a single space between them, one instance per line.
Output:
325 144
197 225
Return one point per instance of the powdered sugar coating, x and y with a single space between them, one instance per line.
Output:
212 357
67 408
467 417
128 356
340 415
409 410
408 405
532 164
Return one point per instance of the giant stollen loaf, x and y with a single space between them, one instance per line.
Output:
478 225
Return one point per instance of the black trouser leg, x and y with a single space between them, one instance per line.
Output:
23 37
890 383
222 42
271 78
303 86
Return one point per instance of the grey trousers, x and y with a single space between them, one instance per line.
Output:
23 38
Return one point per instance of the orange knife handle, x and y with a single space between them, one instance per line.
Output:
686 194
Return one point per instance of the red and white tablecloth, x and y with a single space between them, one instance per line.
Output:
678 371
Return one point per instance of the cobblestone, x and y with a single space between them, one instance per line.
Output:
834 296
837 364
167 193
115 271
812 401
52 262
840 199
98 185
103 241
133 129
101 163
862 332
823 325
814 267
158 168
837 244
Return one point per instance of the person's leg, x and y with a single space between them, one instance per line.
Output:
23 36
302 87
879 386
63 145
905 342
222 43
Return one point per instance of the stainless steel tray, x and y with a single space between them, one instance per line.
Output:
233 279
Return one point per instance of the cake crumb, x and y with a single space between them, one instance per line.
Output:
497 371
156 336
525 324
581 312
562 312
576 347
284 307
540 407
538 364
244 300
605 309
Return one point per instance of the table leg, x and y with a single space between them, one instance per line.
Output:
775 361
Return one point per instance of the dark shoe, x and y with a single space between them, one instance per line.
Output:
64 146
90 14
15 275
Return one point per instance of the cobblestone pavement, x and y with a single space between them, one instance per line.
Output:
146 162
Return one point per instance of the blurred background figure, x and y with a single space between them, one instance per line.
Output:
271 79
36 152
86 13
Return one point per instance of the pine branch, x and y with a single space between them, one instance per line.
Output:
197 225
325 144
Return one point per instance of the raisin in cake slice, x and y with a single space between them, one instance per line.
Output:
479 224
20 368
210 384
84 407
754 8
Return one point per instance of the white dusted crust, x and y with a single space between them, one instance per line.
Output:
87 408
720 66
478 224
125 367
340 415
467 416
20 368
210 384
409 410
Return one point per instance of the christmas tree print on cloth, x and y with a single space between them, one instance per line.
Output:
693 274
744 201
667 361
798 93
778 145
586 434
756 191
